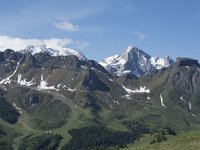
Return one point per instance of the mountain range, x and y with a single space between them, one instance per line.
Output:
56 99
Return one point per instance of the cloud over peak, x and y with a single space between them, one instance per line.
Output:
67 26
139 35
20 43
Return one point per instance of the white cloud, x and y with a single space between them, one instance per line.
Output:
57 43
141 36
67 26
20 43
82 45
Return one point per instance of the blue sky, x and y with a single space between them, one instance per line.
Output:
100 28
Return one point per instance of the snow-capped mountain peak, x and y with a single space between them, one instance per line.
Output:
53 52
135 61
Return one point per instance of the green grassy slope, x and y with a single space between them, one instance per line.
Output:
185 141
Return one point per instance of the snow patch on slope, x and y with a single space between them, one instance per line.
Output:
71 90
161 100
43 85
189 105
190 108
24 82
84 67
188 67
127 96
62 86
110 79
193 115
182 99
141 90
19 109
126 71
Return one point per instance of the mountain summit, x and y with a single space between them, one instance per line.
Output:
53 52
134 61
